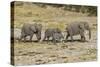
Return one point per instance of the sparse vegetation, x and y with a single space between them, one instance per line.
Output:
52 14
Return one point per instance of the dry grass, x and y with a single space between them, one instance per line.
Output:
48 17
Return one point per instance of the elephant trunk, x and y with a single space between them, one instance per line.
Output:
38 35
89 34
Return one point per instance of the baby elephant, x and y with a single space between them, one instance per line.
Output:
76 28
54 33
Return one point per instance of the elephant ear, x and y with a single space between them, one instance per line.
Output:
81 26
38 27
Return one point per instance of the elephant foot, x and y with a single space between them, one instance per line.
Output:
36 41
72 40
83 40
43 40
68 40
65 40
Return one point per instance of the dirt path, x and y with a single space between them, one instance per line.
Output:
43 53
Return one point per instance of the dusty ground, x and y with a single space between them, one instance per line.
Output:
42 53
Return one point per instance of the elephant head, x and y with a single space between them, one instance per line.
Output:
85 26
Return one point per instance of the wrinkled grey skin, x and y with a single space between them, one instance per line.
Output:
54 33
30 30
78 28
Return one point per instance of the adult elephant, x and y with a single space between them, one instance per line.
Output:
76 28
31 29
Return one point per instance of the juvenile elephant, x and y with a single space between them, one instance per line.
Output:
54 33
76 28
31 29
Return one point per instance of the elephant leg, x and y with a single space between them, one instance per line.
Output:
47 40
71 35
67 36
21 37
25 38
44 38
71 38
54 41
38 37
82 36
31 36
